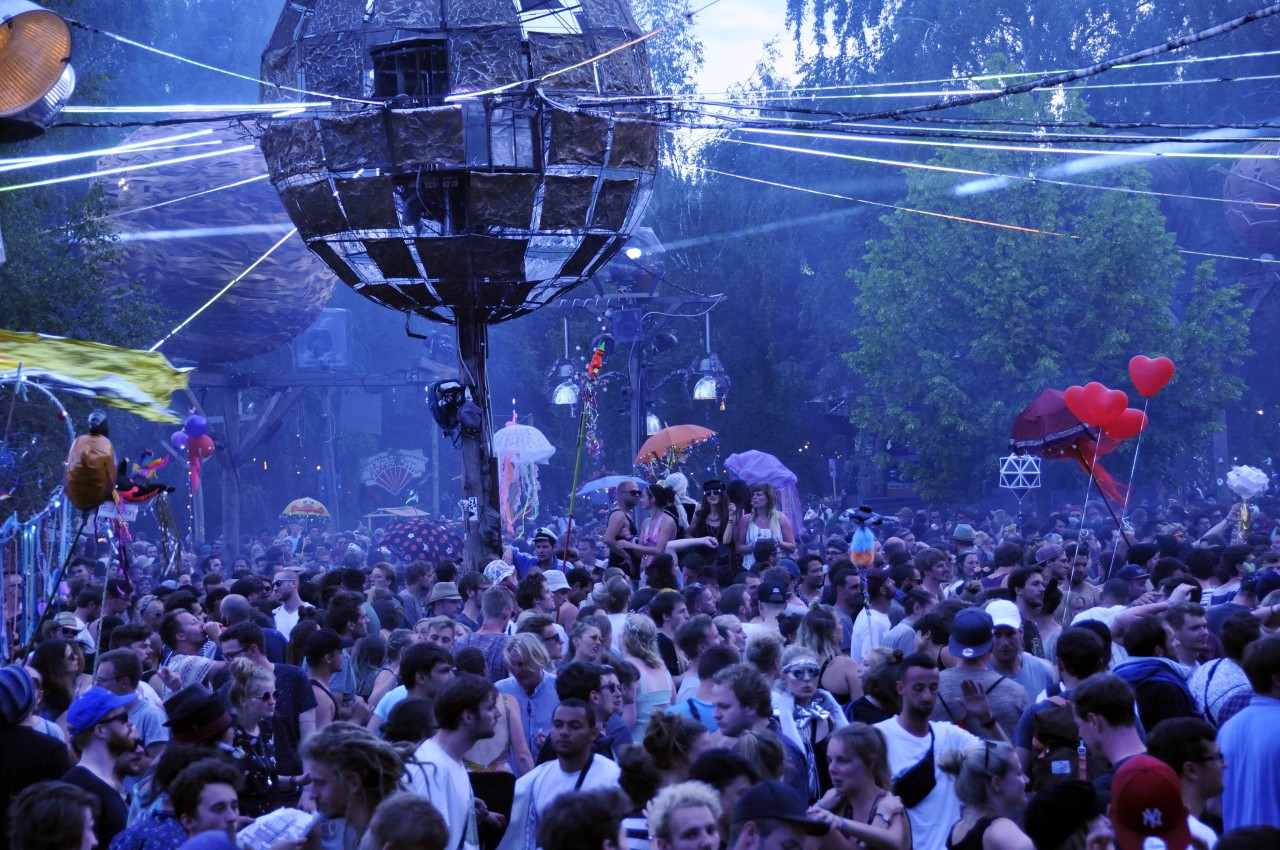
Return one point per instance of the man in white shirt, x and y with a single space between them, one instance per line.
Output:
285 589
872 625
467 711
911 738
576 768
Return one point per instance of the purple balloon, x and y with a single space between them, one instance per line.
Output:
196 425
179 440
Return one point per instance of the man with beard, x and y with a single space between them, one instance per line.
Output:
467 711
913 741
1027 586
110 751
576 768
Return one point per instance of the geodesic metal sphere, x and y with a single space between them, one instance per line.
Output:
1253 181
434 203
183 253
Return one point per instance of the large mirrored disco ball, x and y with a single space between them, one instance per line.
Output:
1254 181
184 252
433 205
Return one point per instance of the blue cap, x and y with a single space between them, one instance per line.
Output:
92 706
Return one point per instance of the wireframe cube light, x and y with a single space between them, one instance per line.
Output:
1019 472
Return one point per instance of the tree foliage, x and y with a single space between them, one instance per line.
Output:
960 325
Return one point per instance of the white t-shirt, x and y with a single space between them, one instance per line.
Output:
869 631
1204 833
932 818
537 789
444 781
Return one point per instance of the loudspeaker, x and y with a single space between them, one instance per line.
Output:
323 347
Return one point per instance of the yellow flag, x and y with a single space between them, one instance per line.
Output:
140 382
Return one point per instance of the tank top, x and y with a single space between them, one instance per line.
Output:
754 533
624 562
973 838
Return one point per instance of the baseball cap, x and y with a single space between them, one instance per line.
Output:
835 541
773 800
1004 614
67 620
1146 802
970 633
774 594
790 566
89 709
1132 572
556 580
963 532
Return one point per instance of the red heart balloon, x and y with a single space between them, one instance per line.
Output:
1130 423
1102 404
1150 375
1074 397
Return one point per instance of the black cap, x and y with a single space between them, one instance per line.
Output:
773 594
1132 572
773 800
715 485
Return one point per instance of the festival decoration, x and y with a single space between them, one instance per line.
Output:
1130 423
271 304
520 448
91 465
194 439
1102 404
1150 375
305 508
756 467
140 382
1249 188
1047 427
463 177
1020 474
394 470
1247 482
663 452
136 482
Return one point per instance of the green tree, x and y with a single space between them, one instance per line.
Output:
960 325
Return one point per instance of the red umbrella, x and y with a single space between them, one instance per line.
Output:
424 539
1047 428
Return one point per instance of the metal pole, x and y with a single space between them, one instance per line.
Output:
635 375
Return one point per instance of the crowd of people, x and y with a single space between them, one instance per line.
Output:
676 674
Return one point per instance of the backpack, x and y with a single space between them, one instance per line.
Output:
1058 753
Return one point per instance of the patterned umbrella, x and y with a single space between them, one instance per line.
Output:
424 539
306 508
674 437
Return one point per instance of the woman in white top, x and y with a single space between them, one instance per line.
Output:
764 522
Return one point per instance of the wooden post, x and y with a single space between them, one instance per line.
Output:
479 465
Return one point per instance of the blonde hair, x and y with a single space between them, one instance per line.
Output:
974 767
530 649
640 640
244 675
684 795
819 631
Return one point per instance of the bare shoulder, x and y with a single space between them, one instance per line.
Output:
1004 834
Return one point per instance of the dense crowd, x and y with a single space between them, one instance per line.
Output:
675 674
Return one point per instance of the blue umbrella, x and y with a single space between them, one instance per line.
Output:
609 482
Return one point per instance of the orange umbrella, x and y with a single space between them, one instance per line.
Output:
672 437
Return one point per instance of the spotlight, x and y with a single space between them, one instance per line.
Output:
35 65
566 393
705 389
652 424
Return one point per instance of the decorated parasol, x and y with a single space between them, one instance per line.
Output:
667 445
305 508
424 539
519 448
756 467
